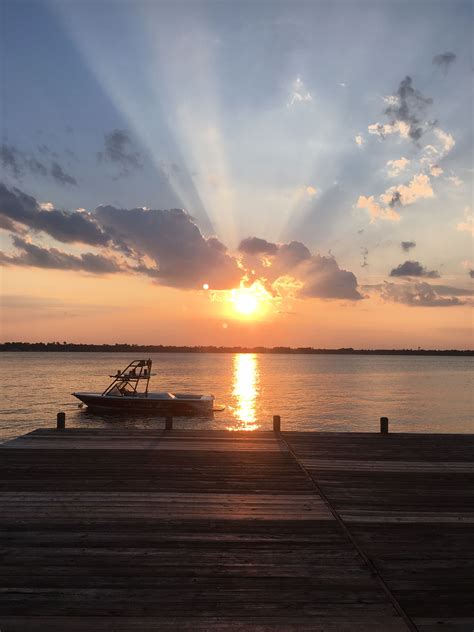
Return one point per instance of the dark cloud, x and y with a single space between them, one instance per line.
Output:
408 245
76 226
323 278
52 258
413 269
170 238
61 176
396 199
317 276
180 255
11 159
410 108
7 224
118 150
444 60
365 253
256 246
449 290
36 166
471 274
416 294
44 149
16 161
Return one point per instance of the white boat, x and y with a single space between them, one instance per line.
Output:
123 395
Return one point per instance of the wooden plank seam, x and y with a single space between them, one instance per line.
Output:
368 562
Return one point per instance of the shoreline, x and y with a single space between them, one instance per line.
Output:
22 347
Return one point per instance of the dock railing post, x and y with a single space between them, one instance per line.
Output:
61 421
169 423
384 425
276 423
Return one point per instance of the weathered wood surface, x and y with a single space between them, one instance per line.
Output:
408 501
201 530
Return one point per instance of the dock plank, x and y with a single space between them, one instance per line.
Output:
197 530
408 501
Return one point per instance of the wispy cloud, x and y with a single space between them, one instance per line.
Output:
396 167
468 223
119 151
415 294
299 93
444 60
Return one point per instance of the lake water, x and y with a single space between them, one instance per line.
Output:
310 392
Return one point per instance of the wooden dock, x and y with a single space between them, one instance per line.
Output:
185 530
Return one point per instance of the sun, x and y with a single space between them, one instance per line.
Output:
252 301
245 301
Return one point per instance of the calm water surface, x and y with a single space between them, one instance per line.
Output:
342 393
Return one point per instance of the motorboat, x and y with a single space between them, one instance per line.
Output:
129 392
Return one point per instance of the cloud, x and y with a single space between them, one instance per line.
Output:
446 140
323 278
299 93
416 295
256 246
407 245
311 191
449 290
60 176
376 210
444 60
456 181
52 258
7 224
468 223
66 227
11 159
471 273
419 187
16 161
436 170
292 265
383 130
396 167
410 108
168 246
37 167
414 269
171 239
359 139
119 151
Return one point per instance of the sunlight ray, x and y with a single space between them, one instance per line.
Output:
136 98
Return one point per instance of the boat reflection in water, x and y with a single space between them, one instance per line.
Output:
246 378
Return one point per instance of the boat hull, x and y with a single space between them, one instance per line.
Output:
148 405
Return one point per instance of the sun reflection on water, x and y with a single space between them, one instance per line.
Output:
246 378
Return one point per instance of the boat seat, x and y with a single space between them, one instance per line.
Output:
161 396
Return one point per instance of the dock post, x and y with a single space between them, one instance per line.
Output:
169 423
276 423
61 421
384 425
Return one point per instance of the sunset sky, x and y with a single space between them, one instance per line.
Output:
237 173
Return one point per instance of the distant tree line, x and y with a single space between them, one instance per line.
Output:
140 349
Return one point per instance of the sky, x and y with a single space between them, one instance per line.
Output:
237 173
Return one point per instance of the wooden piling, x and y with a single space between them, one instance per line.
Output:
384 425
276 423
61 421
169 423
